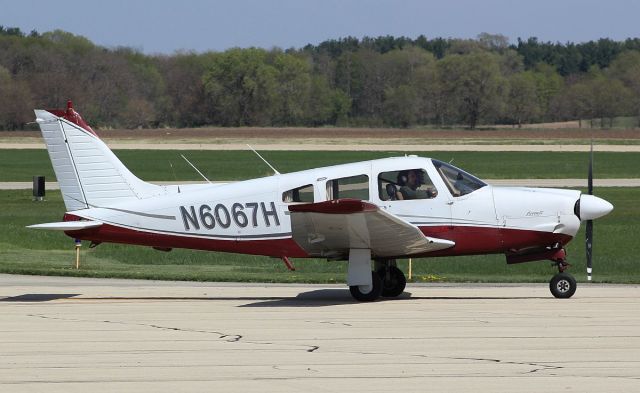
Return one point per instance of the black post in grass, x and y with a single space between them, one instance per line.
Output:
38 188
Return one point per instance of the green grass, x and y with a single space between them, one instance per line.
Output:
25 251
21 165
618 122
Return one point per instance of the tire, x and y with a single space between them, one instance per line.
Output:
395 284
563 285
374 291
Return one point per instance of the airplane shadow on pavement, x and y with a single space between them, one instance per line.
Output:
330 297
39 297
315 298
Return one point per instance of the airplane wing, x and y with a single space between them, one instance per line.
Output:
66 225
328 229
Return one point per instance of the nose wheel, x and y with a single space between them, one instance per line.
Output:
563 285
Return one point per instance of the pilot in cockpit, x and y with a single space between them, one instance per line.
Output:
410 182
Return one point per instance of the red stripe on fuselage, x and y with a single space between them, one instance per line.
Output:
469 240
473 240
113 234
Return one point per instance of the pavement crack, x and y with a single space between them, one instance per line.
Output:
538 366
276 367
225 336
333 323
232 338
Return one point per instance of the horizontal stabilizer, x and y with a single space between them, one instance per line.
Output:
66 225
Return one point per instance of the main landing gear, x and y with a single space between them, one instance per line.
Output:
393 280
367 293
562 285
386 281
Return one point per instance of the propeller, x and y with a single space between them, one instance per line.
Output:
589 227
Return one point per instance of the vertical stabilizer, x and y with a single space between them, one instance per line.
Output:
88 173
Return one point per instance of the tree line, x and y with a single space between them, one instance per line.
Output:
382 81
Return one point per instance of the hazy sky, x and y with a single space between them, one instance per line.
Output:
169 25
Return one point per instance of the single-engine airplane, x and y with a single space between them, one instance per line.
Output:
371 211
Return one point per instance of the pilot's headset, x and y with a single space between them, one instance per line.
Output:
402 178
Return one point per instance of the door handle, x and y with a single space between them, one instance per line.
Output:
450 203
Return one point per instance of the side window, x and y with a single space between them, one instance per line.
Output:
405 185
300 194
356 187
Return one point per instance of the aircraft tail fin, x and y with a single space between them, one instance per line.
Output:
88 172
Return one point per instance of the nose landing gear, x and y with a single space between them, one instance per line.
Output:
563 285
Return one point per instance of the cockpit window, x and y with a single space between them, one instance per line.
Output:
405 184
458 181
300 194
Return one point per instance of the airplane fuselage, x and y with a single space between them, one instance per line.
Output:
253 216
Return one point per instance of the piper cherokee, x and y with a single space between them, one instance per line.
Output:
368 213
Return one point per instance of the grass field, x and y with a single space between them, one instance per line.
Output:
25 251
21 165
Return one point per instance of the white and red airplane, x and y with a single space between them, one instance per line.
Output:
378 211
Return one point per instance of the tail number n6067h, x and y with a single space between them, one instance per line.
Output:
241 215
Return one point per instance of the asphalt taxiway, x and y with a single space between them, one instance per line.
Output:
100 335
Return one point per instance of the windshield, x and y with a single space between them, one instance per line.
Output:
458 181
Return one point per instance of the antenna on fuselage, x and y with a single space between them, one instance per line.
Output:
262 158
173 171
194 167
174 175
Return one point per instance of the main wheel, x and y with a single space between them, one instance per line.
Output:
394 283
563 285
366 293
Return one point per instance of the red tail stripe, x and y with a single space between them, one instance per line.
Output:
71 115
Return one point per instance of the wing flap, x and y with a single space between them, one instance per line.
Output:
331 228
66 225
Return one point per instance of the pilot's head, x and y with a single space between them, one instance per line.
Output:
411 178
402 178
414 178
